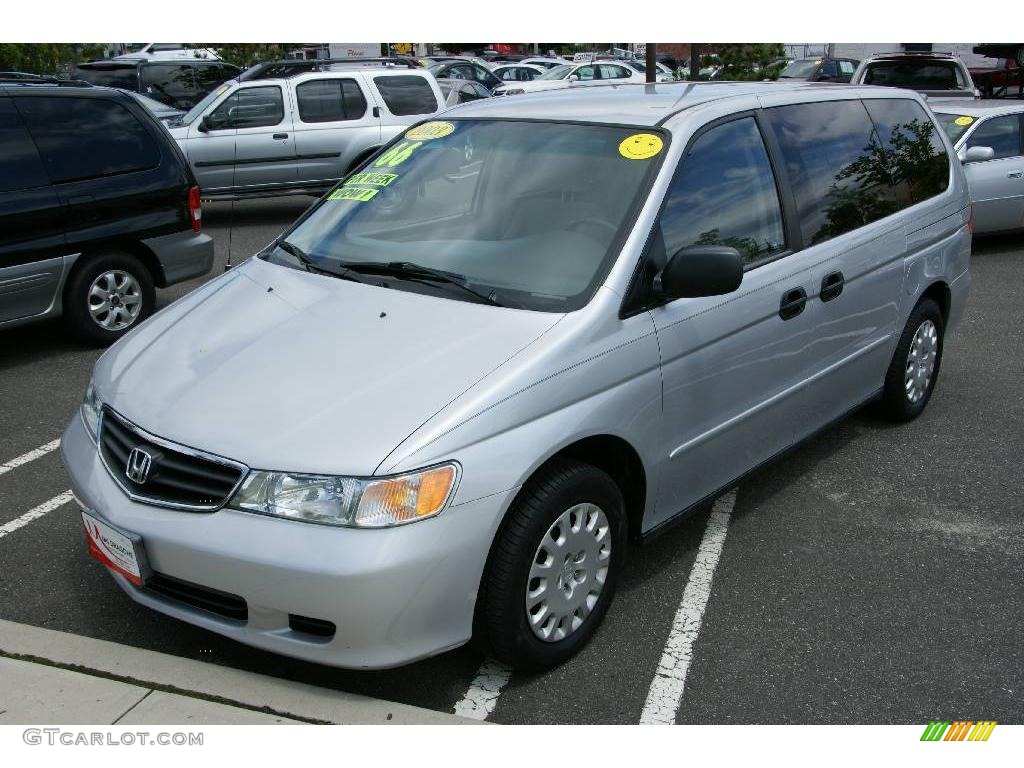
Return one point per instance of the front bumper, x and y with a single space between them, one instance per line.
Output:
182 255
395 595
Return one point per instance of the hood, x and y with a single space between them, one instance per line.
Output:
288 370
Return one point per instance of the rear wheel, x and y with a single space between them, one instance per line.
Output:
553 570
911 377
107 296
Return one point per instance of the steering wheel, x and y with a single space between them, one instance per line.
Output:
579 224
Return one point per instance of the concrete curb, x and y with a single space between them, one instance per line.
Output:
200 680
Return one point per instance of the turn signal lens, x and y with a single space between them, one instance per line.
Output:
403 499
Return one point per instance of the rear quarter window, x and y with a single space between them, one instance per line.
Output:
322 101
83 138
407 94
22 167
917 156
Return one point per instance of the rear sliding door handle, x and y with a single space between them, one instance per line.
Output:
832 285
793 303
1015 175
280 135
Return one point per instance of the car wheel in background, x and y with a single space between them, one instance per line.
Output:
554 566
910 381
107 295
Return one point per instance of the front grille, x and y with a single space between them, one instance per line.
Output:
177 476
213 600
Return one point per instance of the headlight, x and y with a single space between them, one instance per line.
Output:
91 412
348 501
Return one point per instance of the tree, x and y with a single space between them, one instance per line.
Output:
749 61
46 58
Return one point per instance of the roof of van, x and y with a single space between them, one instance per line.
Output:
632 104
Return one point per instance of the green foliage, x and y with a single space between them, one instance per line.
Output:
748 61
46 58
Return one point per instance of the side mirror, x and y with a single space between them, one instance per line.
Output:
701 270
573 78
204 125
978 154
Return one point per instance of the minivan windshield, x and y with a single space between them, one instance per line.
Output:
800 69
528 213
955 126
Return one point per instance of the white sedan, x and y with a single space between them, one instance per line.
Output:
585 73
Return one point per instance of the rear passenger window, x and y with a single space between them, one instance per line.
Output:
83 138
839 174
324 101
1000 133
22 167
725 194
918 162
406 94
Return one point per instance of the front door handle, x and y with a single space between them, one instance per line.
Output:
832 285
1015 175
793 303
280 135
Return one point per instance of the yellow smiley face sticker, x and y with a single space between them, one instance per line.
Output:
640 146
964 120
435 129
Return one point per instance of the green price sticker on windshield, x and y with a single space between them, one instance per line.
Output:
357 194
397 155
372 179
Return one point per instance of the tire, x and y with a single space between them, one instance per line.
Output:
127 283
550 500
903 399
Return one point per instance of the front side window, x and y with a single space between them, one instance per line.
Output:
839 173
559 72
1003 134
588 72
454 196
407 94
323 101
118 142
250 108
725 194
918 163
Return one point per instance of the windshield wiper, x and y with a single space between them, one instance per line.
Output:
343 272
407 270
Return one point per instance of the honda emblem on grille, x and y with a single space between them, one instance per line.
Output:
139 463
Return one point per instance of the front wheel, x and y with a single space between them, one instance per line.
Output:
911 377
554 566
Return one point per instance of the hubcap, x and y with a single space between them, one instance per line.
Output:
115 300
921 359
568 572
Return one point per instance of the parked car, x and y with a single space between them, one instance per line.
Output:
179 84
464 69
664 74
518 72
545 61
160 111
97 206
936 75
462 91
443 402
300 134
989 139
820 70
589 73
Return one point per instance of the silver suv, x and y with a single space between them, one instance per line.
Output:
300 133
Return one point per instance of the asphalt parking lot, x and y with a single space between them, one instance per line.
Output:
874 575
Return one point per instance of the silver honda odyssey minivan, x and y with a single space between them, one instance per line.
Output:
525 335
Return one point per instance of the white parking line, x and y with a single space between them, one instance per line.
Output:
25 458
666 692
35 512
482 696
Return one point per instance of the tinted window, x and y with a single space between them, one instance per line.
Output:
209 76
839 174
1000 133
322 101
170 83
725 194
250 108
917 158
116 77
406 94
921 75
22 167
64 127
